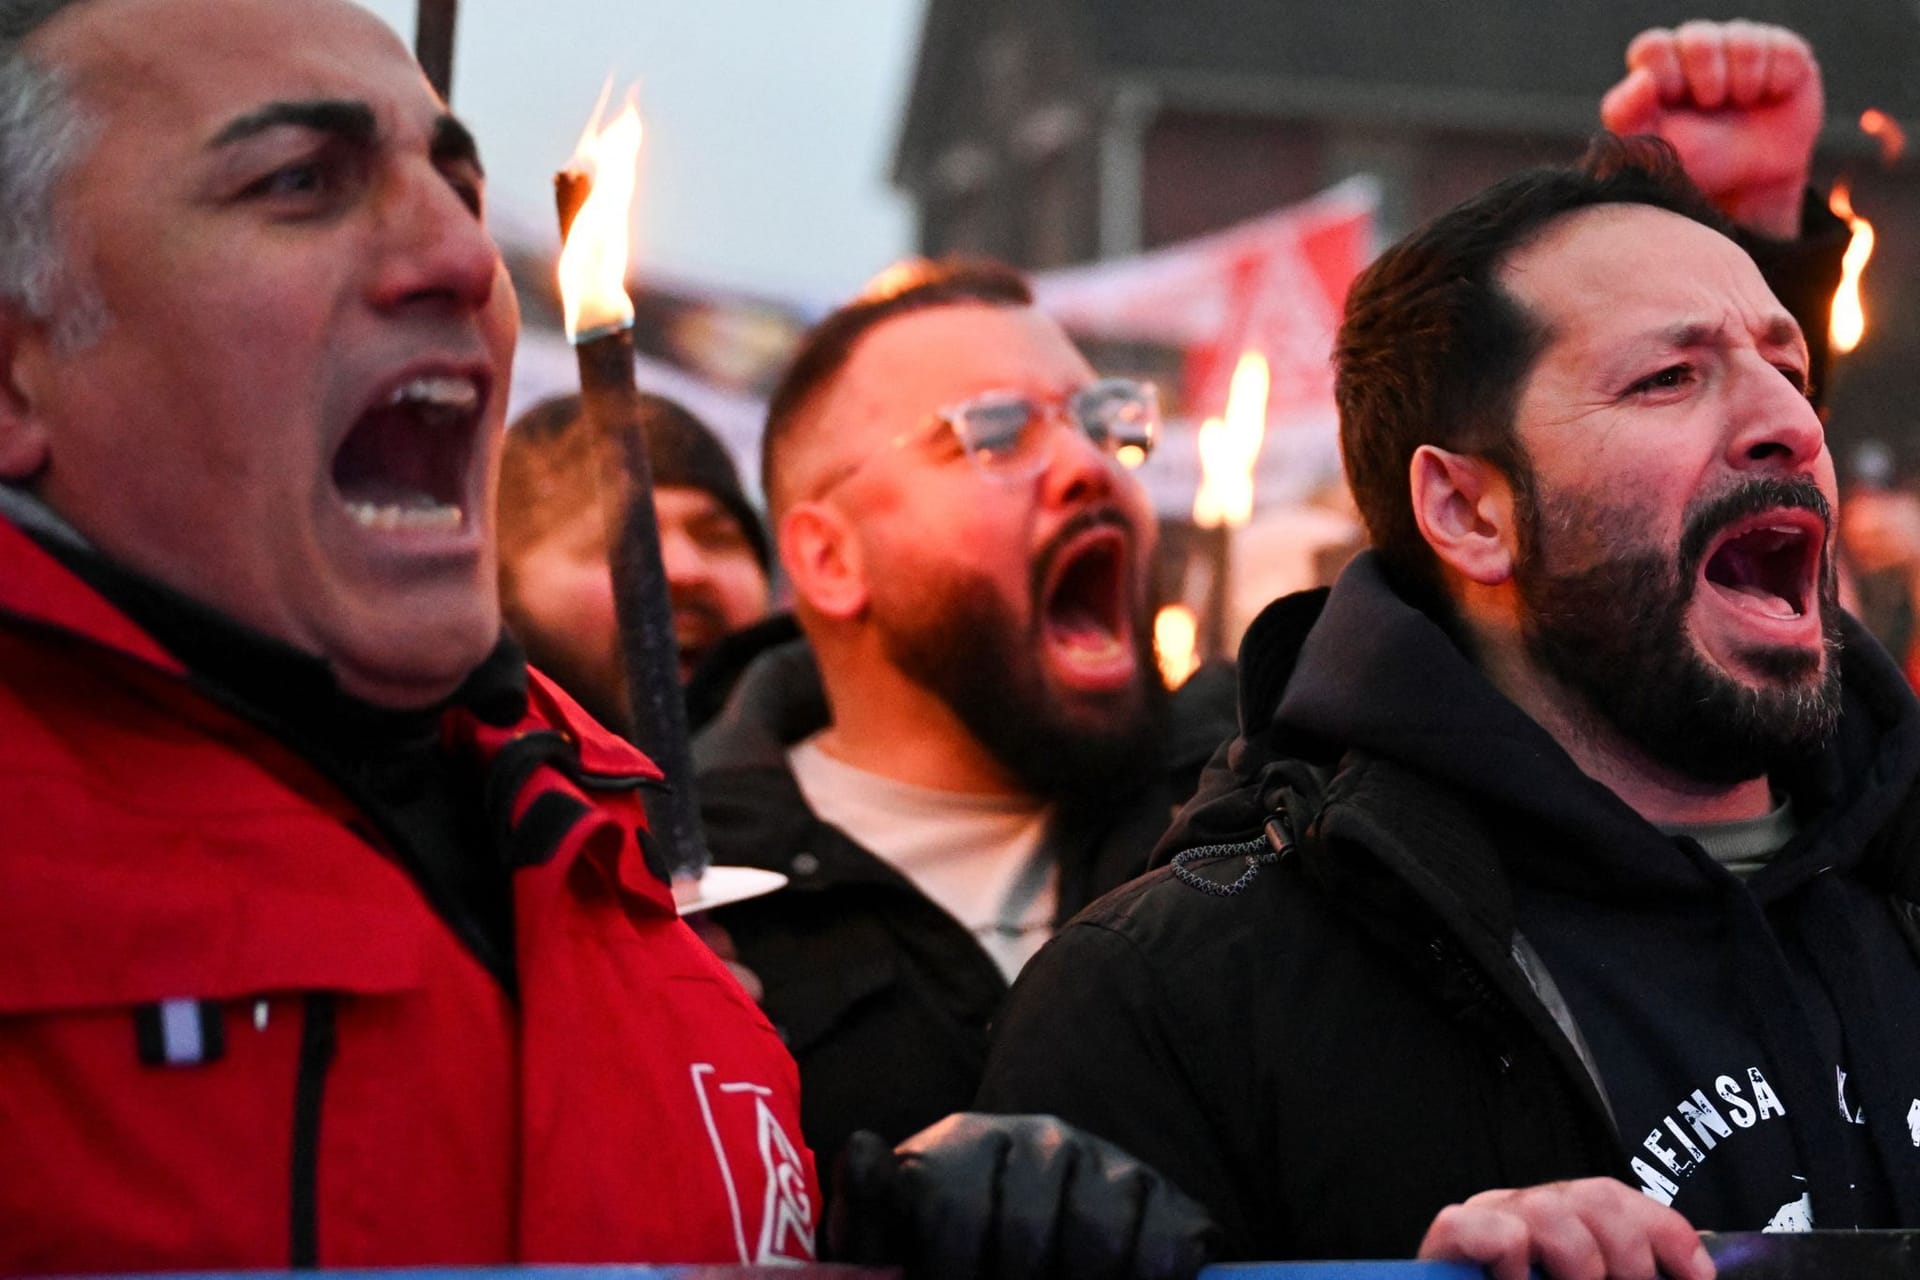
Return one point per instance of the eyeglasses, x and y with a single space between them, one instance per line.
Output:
1004 433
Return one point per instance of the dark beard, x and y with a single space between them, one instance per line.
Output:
970 651
1615 633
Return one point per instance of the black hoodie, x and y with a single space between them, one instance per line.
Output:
1330 1055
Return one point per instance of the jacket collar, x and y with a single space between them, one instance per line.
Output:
494 708
38 589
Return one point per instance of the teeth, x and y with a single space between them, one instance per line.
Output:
386 516
441 391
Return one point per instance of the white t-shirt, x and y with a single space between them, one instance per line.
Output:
980 858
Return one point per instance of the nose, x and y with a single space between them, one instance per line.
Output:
436 250
1775 425
682 561
1078 470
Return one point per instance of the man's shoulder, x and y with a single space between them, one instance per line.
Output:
602 752
46 605
1186 916
83 711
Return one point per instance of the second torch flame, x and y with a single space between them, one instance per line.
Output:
1229 447
1848 323
1176 644
593 256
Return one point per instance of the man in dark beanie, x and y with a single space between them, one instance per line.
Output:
554 586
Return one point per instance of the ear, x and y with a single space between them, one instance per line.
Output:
1464 507
823 560
24 440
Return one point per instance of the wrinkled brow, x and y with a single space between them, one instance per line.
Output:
1781 331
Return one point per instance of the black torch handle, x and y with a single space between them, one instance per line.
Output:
643 609
642 606
434 22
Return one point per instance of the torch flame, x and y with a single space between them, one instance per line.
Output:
1848 323
1175 643
1885 130
1229 447
593 261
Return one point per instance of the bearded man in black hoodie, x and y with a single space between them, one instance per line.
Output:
1569 845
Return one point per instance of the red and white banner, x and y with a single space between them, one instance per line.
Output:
1273 284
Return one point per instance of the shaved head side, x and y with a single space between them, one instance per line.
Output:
905 287
43 133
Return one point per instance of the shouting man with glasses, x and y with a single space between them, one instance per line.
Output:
971 742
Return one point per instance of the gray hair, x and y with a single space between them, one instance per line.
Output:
43 131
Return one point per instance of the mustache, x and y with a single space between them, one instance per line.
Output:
1771 493
1101 516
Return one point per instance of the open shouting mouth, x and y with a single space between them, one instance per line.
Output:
1086 604
1766 569
405 467
1770 562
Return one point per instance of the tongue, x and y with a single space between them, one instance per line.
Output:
1084 643
1775 604
1082 640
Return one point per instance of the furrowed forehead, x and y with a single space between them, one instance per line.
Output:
1635 268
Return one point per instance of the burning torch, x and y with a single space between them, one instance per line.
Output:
595 197
1176 644
1847 322
1229 448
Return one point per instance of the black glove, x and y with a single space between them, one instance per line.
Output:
1011 1197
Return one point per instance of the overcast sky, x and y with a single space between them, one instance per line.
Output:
770 125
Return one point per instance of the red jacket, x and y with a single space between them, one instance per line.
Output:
233 1034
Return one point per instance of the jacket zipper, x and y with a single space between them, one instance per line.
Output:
1565 1107
317 1046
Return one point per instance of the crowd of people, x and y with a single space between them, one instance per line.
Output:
1542 893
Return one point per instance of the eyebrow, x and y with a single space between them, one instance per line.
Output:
345 119
453 144
1781 331
350 121
1785 332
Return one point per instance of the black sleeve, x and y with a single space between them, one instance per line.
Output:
1804 274
1084 1037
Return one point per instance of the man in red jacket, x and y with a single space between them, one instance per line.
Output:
331 934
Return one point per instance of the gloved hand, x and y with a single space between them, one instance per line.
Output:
1012 1196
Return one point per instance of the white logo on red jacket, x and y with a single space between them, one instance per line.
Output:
740 1122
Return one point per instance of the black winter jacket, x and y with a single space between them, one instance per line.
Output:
884 999
1347 1044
